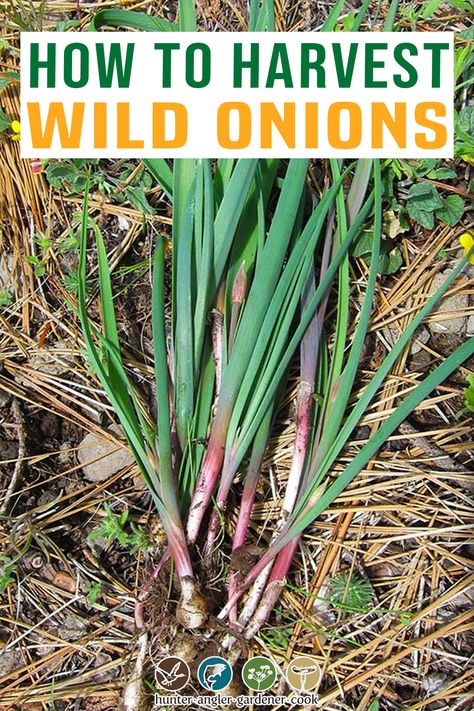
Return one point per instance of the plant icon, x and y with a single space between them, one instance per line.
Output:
259 673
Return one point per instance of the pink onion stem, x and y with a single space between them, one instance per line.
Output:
227 478
211 466
275 585
239 290
243 520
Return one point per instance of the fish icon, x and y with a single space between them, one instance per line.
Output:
215 673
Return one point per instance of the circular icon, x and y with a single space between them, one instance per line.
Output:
259 673
303 674
214 673
172 673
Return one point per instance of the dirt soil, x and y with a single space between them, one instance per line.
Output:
404 526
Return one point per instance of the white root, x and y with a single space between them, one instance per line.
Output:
269 598
133 694
191 612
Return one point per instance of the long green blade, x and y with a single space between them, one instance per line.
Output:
187 16
160 170
312 509
133 20
161 374
270 379
183 295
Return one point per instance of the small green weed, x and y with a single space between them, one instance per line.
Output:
464 133
5 121
71 283
37 263
424 203
390 260
6 297
75 174
469 394
468 398
139 539
7 570
65 25
415 12
113 528
351 591
7 78
26 16
94 593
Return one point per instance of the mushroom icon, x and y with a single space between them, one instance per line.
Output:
303 674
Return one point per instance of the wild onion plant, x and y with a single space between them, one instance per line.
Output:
255 257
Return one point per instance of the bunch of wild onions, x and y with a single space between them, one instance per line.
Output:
266 288
255 256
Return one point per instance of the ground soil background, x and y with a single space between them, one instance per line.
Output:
403 527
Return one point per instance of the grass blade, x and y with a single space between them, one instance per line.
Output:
133 20
186 16
183 295
161 171
333 17
411 402
229 213
390 19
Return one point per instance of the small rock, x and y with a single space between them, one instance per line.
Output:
68 261
100 458
385 569
422 336
99 545
6 268
9 661
323 612
466 597
391 335
65 582
99 703
47 497
432 683
421 361
32 562
123 223
105 675
8 450
50 425
71 628
459 302
468 550
4 398
470 326
361 433
54 360
139 485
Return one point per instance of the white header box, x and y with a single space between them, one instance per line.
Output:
271 94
